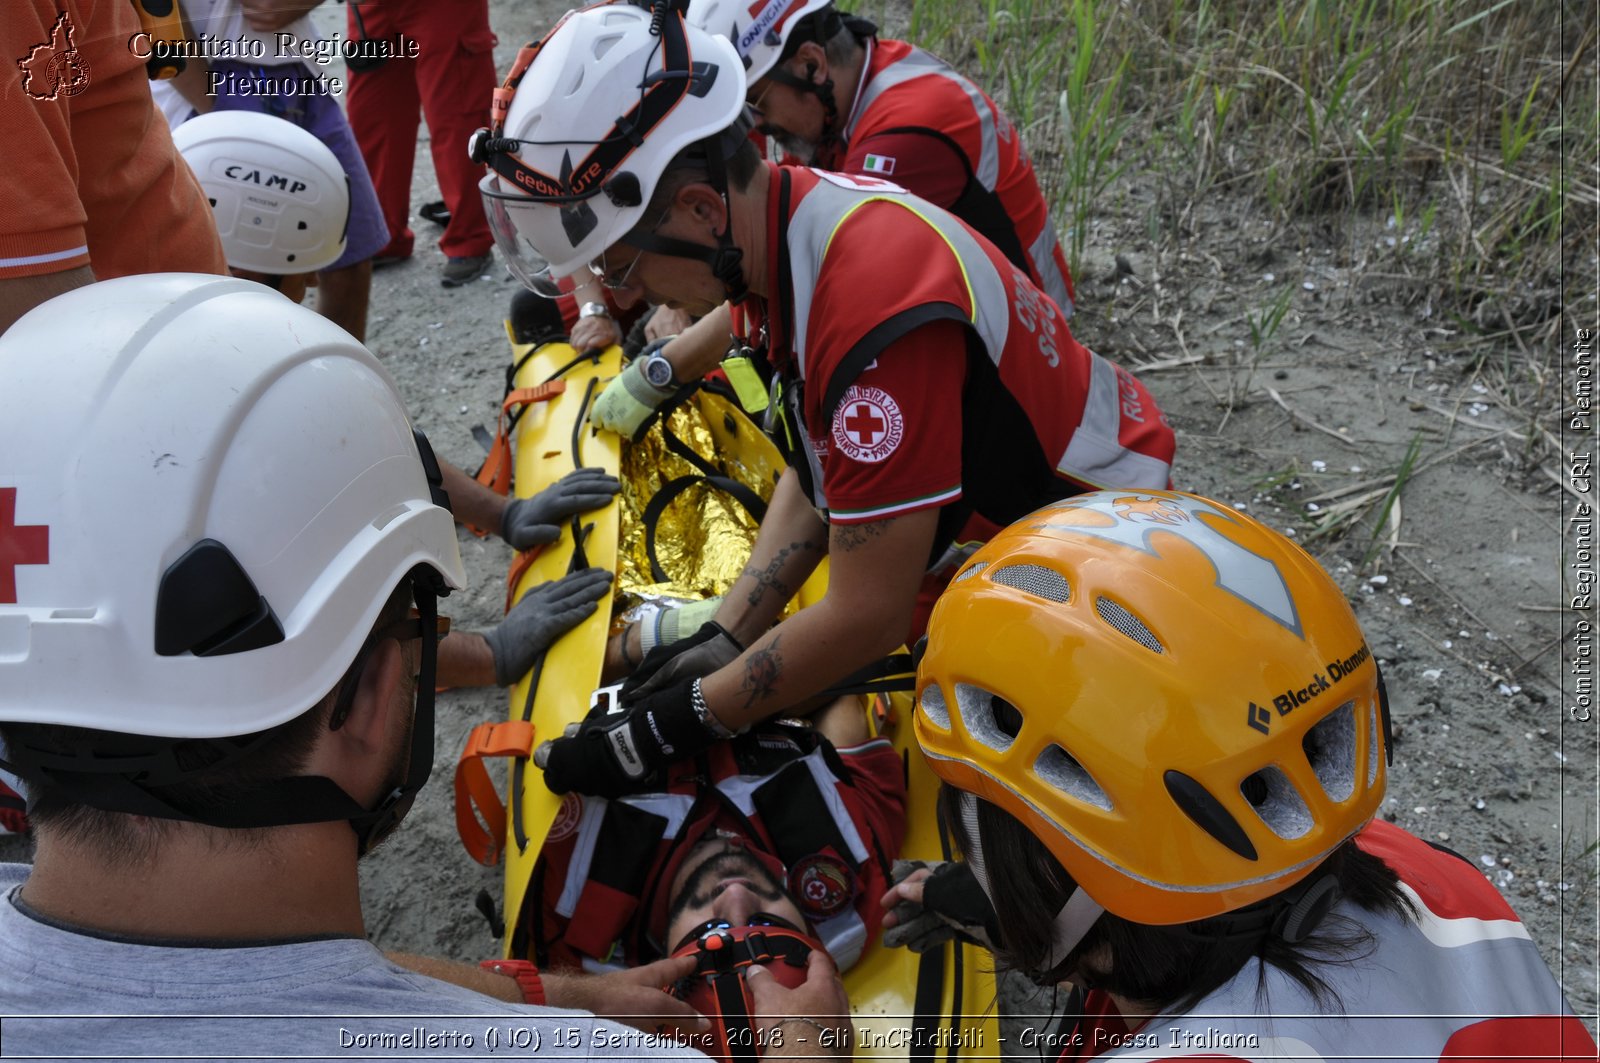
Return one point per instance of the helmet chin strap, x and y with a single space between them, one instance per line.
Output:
1070 925
726 259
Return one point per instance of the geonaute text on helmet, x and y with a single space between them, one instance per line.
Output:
1293 698
283 46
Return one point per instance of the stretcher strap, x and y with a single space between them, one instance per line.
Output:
480 814
495 472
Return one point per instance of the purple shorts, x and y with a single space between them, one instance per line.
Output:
318 113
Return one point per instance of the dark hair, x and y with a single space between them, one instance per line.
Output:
828 27
1166 968
689 167
217 773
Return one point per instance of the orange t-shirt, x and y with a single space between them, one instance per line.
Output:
92 176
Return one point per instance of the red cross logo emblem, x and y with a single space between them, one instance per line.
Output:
868 425
26 544
865 424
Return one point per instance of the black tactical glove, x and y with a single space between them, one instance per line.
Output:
953 906
702 653
623 752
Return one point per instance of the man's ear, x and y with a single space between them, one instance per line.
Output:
364 731
811 61
701 202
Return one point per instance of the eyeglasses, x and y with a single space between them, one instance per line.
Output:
611 279
755 104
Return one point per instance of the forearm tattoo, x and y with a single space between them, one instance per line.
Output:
761 671
767 578
851 536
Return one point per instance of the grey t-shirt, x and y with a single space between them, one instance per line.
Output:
69 994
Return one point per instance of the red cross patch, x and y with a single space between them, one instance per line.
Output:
24 544
822 885
868 426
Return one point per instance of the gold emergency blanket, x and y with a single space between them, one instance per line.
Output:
703 537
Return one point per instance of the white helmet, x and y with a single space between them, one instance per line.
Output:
759 32
586 123
280 196
207 493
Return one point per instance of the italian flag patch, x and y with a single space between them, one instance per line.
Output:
883 164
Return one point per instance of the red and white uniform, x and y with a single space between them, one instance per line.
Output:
917 122
450 83
827 824
1462 982
924 369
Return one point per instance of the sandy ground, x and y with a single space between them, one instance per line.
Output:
1465 614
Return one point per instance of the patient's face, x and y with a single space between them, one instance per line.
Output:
722 881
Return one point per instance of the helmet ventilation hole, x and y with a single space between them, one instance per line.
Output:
605 44
1127 623
931 702
1036 580
988 718
1277 802
571 90
1330 747
970 571
1061 770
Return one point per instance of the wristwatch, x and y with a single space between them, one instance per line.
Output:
526 974
594 310
658 371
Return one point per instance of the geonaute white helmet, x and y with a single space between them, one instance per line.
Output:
759 32
207 493
586 123
281 199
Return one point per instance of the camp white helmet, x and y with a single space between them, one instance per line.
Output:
207 493
759 32
281 199
586 123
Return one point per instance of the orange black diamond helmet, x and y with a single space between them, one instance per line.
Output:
1176 699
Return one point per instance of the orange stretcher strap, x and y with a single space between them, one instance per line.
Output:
480 814
519 567
495 472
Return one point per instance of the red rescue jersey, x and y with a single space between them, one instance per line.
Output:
826 824
920 124
1462 982
923 368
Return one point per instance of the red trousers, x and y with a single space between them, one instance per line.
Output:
450 82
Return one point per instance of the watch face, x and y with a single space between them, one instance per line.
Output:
658 371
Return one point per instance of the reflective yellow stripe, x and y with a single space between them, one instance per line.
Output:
966 281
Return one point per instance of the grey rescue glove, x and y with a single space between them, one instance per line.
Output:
543 615
628 401
535 521
705 651
953 906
